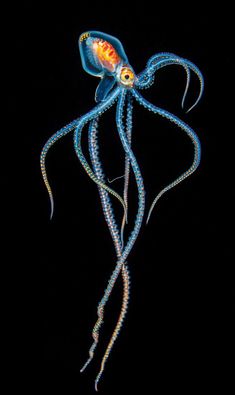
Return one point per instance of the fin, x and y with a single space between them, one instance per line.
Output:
104 87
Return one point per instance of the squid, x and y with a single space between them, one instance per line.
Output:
103 56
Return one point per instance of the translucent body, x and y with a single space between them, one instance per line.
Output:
91 62
103 56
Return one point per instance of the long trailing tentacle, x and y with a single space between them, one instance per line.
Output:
104 196
110 219
62 132
126 174
161 60
125 299
189 131
127 160
94 113
138 220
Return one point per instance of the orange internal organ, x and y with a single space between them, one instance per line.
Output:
106 54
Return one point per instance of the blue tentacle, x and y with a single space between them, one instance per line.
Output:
160 55
138 221
189 131
127 160
56 136
104 196
147 76
156 62
110 219
137 173
113 228
94 113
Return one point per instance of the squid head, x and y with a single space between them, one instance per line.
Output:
103 56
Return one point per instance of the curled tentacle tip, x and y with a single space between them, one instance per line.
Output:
183 107
52 207
148 218
97 380
52 212
125 214
83 368
189 110
183 101
85 365
122 241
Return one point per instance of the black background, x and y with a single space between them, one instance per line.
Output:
177 334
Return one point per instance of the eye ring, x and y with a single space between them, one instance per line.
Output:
126 76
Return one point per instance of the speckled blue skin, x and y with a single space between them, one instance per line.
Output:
109 91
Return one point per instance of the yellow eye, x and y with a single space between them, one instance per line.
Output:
127 76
